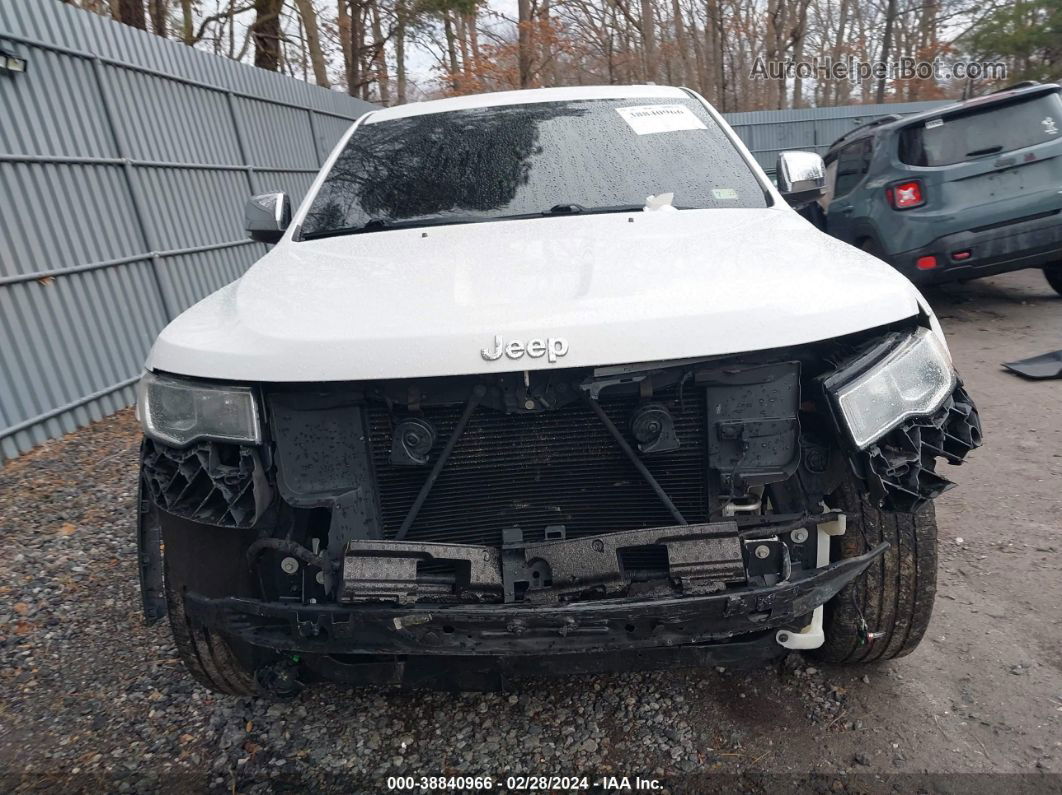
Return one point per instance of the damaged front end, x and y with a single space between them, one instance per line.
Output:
680 506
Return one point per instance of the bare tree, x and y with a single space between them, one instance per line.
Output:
129 12
379 56
266 34
308 16
400 51
648 28
886 46
798 38
524 41
186 22
708 45
158 11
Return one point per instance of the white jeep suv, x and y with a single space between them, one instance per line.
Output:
541 382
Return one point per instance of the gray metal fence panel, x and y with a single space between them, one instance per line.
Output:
768 132
124 164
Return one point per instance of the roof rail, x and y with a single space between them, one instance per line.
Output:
1015 86
886 119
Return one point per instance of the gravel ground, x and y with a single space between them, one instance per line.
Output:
92 699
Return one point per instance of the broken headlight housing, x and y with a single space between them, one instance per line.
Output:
913 378
178 412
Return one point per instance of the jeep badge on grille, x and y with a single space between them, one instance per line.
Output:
551 347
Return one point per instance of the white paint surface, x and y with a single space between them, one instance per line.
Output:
618 288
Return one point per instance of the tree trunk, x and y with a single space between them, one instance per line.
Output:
129 12
186 22
546 42
715 63
400 51
451 49
359 20
774 50
303 56
308 15
524 41
232 34
346 44
379 56
158 10
648 30
473 34
266 32
886 44
700 64
685 78
799 36
462 40
721 41
842 24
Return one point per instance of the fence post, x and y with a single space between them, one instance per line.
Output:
240 145
313 134
133 186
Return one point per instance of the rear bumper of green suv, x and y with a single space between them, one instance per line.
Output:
1031 242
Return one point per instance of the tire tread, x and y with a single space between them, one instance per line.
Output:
895 595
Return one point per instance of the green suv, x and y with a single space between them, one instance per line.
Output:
967 190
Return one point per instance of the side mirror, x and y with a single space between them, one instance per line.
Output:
801 177
266 216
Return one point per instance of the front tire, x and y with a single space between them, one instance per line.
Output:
895 595
1053 274
207 656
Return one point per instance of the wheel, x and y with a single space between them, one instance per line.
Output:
1053 274
895 595
872 247
208 656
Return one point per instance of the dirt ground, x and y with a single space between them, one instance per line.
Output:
90 698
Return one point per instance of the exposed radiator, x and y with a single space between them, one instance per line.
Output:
559 467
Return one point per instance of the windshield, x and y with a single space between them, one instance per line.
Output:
546 158
986 131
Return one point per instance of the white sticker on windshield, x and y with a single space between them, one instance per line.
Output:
723 194
648 119
934 123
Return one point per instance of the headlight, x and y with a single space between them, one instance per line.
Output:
178 412
914 378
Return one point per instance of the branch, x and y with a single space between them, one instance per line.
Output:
210 20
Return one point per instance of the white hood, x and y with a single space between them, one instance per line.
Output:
618 288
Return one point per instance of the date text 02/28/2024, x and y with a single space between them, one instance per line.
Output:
397 783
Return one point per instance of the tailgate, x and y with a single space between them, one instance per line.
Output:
996 161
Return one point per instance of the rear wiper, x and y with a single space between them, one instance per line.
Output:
988 150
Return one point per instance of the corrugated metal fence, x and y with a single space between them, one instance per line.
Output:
125 161
768 132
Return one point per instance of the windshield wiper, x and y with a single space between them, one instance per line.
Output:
383 225
573 209
567 208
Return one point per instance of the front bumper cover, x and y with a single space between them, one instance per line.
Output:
605 625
